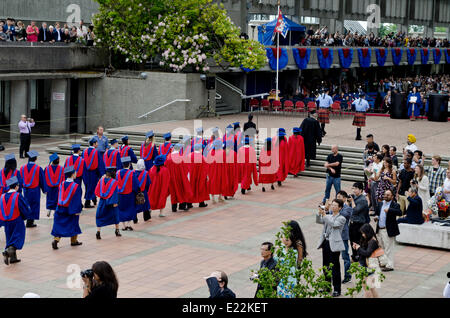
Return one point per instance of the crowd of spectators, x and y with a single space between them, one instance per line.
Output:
321 37
75 33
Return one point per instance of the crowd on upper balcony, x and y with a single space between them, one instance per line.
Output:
321 37
75 33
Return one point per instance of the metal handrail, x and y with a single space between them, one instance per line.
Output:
170 103
230 86
218 96
256 95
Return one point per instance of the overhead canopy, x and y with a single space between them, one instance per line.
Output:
295 32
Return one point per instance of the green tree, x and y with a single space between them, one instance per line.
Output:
184 34
387 28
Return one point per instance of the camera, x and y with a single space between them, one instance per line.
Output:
322 207
88 273
448 274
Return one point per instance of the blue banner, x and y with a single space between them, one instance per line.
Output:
411 54
381 56
437 56
271 52
345 57
364 55
247 70
397 54
424 53
325 57
301 57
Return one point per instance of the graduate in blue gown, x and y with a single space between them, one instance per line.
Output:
414 104
148 150
54 175
13 210
128 187
67 215
76 160
127 151
91 173
108 205
144 185
10 170
111 157
33 183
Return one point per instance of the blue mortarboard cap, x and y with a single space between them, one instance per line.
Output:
159 160
149 134
198 147
281 133
199 130
236 125
32 154
177 146
215 129
76 147
69 169
230 126
124 138
125 159
12 181
218 144
10 157
167 136
53 157
247 139
300 130
92 140
268 139
296 129
282 129
113 141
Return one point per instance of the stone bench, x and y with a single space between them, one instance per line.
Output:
426 234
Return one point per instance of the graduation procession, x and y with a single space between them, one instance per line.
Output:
120 185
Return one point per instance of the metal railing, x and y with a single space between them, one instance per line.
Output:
230 86
165 105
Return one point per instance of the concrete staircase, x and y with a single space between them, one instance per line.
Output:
352 167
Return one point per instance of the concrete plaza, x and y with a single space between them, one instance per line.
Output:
168 257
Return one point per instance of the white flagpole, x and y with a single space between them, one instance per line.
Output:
278 53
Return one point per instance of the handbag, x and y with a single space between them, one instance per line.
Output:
374 260
140 198
377 253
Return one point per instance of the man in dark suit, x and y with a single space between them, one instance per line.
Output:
414 210
312 134
57 34
217 284
268 262
250 127
387 227
44 33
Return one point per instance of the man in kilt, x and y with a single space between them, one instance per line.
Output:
359 120
325 101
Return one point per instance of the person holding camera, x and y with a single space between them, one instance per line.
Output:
25 125
359 217
100 282
218 285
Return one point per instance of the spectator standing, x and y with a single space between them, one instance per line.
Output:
333 165
331 242
422 183
102 146
387 227
21 32
25 125
436 174
411 141
360 215
415 209
32 32
387 178
376 167
102 285
267 262
9 29
405 177
369 140
57 34
44 33
218 285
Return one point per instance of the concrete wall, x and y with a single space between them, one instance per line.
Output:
119 100
19 106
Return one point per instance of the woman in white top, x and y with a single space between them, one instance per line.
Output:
446 187
422 183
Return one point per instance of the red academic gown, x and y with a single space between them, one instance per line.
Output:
296 147
268 167
216 171
231 183
179 186
283 155
159 188
198 171
247 165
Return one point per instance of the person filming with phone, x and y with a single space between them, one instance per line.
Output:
25 125
100 282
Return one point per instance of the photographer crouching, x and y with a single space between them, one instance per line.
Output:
100 282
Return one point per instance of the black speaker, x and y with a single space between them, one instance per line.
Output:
210 82
438 107
399 109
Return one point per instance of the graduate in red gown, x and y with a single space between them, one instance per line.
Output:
247 163
280 145
199 139
296 147
179 186
166 147
216 171
268 165
126 151
238 137
231 183
10 170
198 176
77 162
159 189
54 175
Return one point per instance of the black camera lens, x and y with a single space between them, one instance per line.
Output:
88 273
448 274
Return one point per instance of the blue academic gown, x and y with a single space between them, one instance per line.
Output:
146 205
52 191
15 230
78 179
65 222
417 106
4 187
127 202
117 156
90 178
130 154
107 214
149 162
33 195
